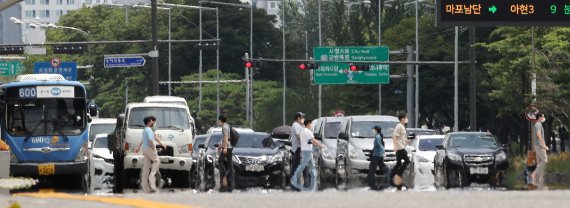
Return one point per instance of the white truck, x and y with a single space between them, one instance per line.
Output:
173 126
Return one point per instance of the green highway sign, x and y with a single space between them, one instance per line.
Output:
339 73
10 68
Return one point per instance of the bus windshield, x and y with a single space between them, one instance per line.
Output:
166 118
45 117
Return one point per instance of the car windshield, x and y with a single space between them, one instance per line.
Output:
45 117
363 129
101 142
429 144
197 141
166 118
215 138
255 141
473 141
95 129
332 129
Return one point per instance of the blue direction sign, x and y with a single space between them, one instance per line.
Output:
124 61
66 69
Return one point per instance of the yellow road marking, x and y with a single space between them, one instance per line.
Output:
133 202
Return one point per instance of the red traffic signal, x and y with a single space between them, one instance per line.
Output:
302 66
360 67
248 64
353 67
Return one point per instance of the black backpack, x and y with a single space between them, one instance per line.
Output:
234 136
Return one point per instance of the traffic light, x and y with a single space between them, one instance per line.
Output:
69 49
248 64
11 50
359 67
310 65
254 64
207 46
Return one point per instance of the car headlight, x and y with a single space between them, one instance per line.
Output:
183 149
352 152
454 157
236 160
501 157
83 153
422 159
327 153
276 158
210 158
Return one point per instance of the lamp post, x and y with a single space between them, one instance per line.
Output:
248 73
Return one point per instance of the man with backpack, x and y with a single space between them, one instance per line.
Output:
230 138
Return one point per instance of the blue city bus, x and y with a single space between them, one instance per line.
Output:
44 121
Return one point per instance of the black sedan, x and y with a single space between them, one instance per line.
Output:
207 162
196 155
258 162
466 157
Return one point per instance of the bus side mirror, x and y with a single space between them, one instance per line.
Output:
93 109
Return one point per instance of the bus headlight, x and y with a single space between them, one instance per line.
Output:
83 153
13 158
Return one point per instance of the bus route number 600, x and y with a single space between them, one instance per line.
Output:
28 92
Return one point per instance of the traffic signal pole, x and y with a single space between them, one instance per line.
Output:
155 75
410 87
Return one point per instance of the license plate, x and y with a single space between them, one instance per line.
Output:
254 168
46 169
164 160
479 170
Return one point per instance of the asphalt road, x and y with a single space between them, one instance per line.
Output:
326 199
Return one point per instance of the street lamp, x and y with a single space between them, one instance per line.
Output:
248 74
37 24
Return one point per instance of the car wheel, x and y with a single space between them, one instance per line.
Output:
284 184
86 179
341 176
117 173
202 179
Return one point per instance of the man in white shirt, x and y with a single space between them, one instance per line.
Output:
400 139
307 140
296 130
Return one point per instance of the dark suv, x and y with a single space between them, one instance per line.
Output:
466 157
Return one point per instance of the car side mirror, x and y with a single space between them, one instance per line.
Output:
93 110
318 136
439 146
505 147
201 146
343 135
216 145
412 136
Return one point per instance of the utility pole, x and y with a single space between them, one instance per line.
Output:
320 107
417 104
170 52
155 74
126 91
217 65
246 91
472 81
456 83
410 86
380 44
200 67
252 68
284 72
